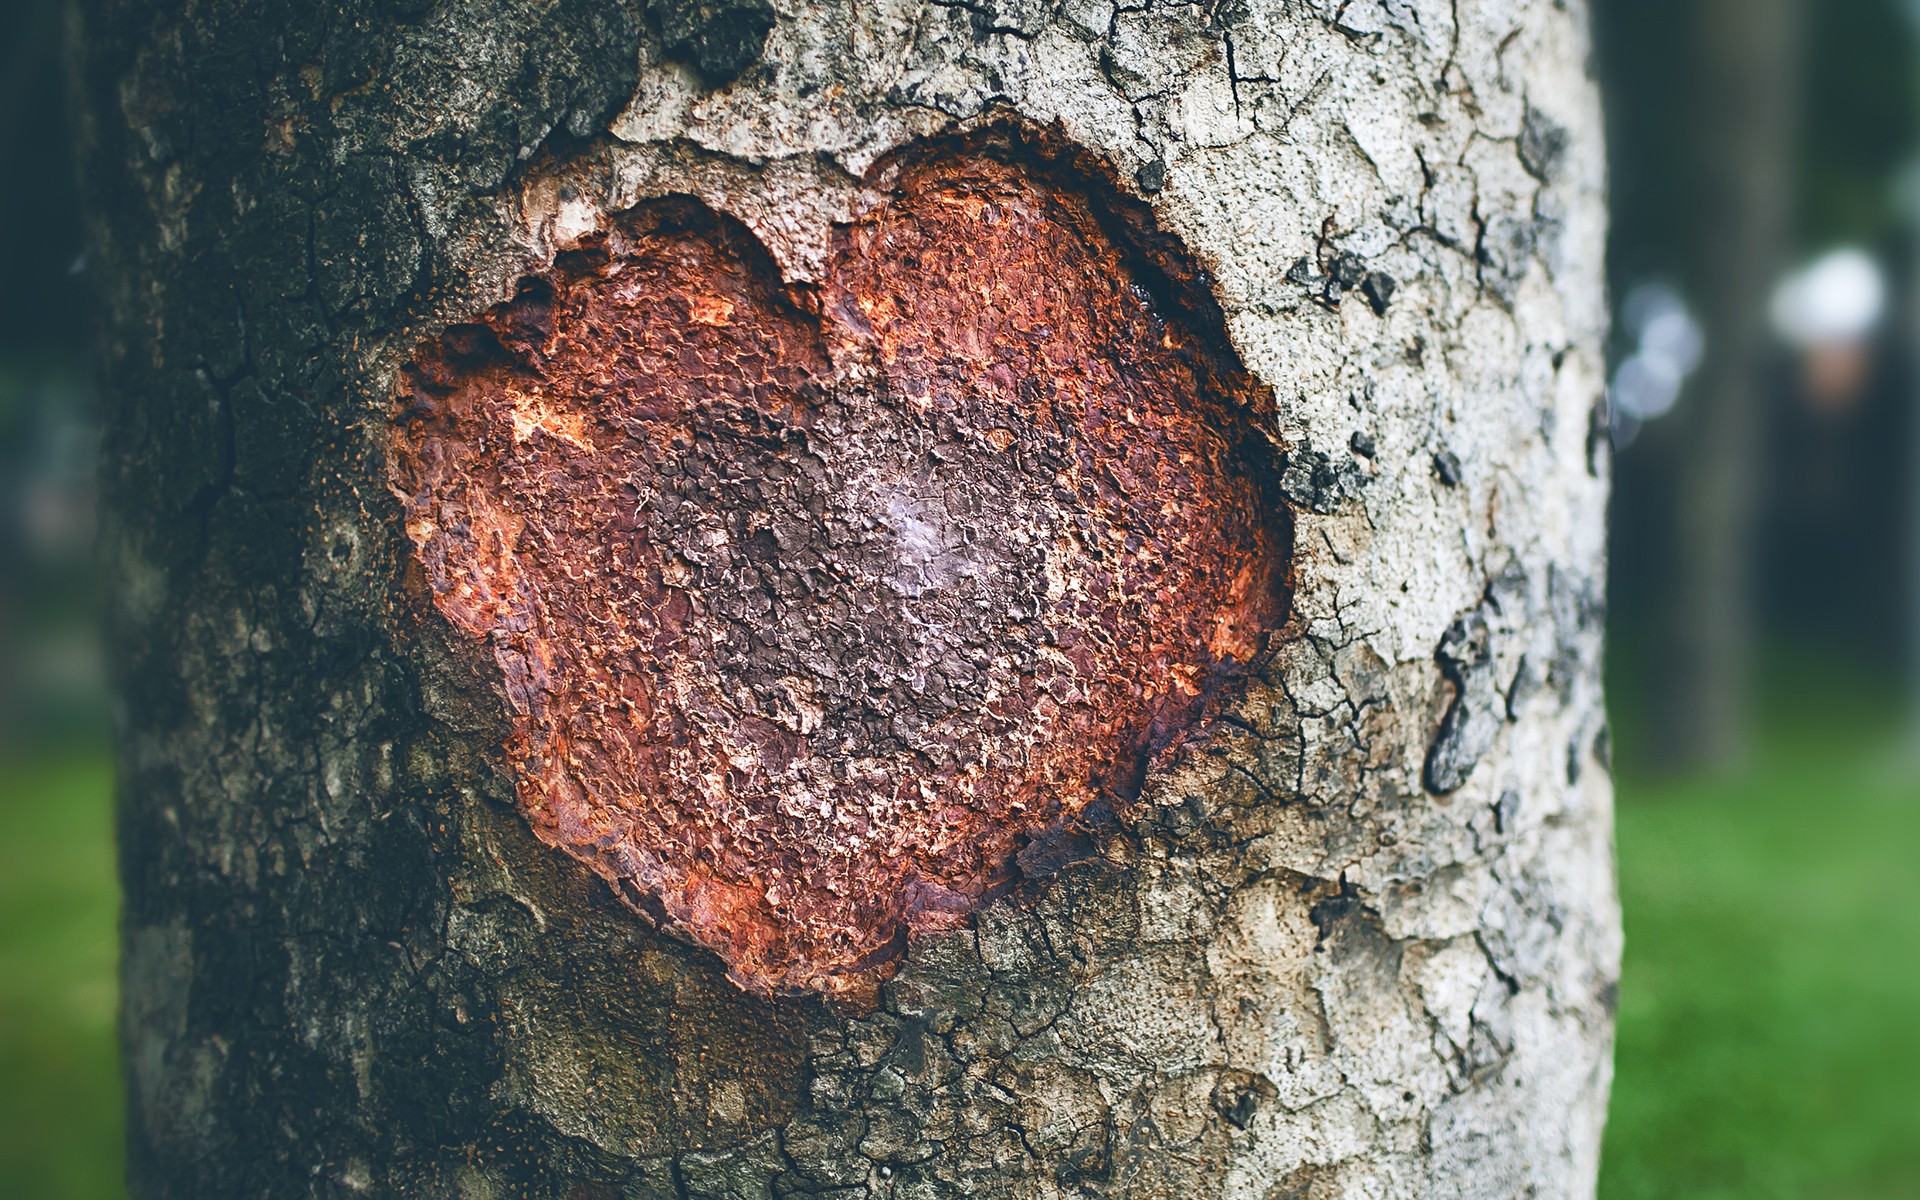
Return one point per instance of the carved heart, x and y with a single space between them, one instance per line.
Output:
813 608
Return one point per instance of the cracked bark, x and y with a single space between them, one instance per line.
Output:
1353 935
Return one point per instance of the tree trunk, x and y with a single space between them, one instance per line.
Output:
1739 208
996 600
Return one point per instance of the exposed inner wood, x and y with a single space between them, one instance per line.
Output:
814 608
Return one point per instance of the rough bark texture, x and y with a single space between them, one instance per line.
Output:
1352 933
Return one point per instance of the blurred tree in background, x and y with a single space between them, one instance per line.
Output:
1745 135
49 674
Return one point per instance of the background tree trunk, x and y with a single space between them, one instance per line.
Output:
1742 190
1357 937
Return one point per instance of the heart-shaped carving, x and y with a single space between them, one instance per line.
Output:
814 606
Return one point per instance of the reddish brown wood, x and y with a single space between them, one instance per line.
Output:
813 608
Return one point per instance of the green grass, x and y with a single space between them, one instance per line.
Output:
1769 1037
59 1078
1769 1012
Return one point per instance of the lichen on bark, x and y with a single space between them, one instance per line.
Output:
1286 967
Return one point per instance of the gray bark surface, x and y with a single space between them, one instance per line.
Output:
1362 941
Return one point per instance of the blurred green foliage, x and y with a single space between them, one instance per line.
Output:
1769 1011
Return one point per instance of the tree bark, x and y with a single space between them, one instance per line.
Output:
1349 928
